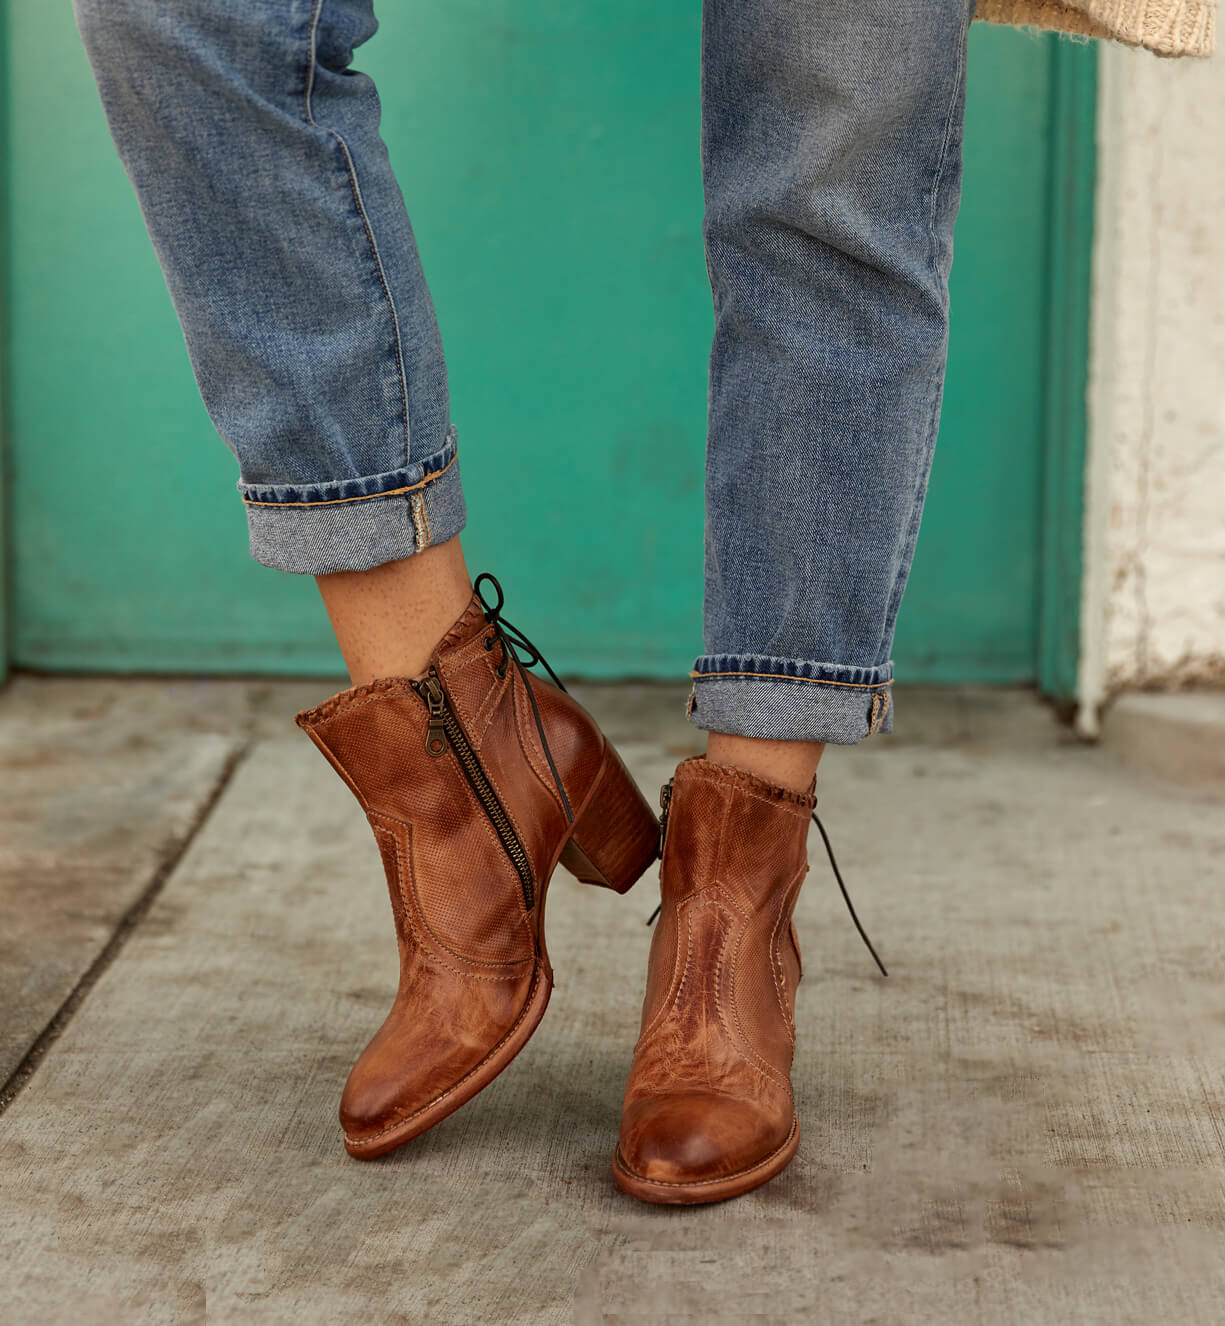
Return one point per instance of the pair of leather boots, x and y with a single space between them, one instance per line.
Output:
477 781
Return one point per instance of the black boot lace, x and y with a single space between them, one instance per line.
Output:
511 640
850 906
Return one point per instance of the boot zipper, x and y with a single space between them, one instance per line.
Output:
665 802
436 733
444 730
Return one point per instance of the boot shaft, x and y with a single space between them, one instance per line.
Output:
452 774
734 857
727 827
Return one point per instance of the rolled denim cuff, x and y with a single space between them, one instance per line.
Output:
355 524
786 699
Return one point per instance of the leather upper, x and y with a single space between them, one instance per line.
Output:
470 946
709 1093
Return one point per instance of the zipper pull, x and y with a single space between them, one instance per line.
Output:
665 802
436 733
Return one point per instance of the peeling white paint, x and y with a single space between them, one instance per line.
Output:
1153 612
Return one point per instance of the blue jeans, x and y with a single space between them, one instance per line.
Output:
831 159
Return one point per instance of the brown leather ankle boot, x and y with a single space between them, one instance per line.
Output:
476 781
708 1111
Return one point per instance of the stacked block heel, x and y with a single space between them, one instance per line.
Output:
616 835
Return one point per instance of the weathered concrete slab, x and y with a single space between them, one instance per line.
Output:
1024 1124
100 793
1179 737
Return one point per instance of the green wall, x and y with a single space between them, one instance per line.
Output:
548 155
5 448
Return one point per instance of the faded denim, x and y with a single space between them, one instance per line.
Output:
256 156
831 151
831 163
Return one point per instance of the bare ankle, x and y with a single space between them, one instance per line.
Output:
789 764
388 620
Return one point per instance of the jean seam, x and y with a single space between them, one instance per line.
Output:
880 707
363 497
782 676
929 441
421 520
359 204
944 144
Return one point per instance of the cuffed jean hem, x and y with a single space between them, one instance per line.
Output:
356 524
788 700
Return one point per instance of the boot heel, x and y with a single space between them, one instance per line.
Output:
616 837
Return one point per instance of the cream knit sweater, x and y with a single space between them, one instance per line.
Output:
1167 27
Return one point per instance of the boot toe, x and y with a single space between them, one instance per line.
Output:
370 1105
434 1052
695 1138
395 1079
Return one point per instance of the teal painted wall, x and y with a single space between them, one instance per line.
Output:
5 451
548 156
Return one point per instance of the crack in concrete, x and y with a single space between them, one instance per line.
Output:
124 929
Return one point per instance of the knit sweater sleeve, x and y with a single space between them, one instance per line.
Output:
1166 27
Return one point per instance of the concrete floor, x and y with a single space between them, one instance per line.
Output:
1025 1123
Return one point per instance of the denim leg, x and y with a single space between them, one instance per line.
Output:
831 154
255 153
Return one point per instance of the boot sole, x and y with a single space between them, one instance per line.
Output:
706 1190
